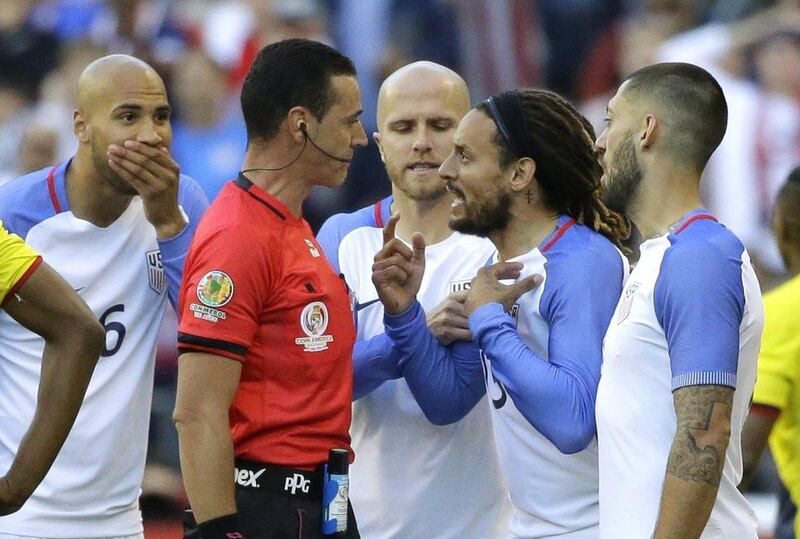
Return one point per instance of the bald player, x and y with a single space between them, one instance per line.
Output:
413 478
115 221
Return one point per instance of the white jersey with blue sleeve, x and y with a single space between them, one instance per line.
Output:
690 314
542 364
411 478
125 276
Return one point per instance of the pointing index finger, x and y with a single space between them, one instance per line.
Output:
388 230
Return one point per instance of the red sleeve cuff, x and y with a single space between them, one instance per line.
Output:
765 410
22 280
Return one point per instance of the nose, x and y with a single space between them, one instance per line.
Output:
422 142
447 170
600 143
148 134
360 140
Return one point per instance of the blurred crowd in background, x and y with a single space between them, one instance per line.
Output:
579 48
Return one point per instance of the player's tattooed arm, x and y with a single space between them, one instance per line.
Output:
694 467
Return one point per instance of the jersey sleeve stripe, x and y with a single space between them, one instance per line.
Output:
25 276
213 344
690 220
561 231
765 410
713 378
377 213
51 186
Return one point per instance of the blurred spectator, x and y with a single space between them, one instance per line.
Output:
502 45
27 54
233 31
775 411
57 95
762 144
632 41
209 137
36 150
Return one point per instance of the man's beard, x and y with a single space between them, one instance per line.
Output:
484 217
623 179
419 191
107 173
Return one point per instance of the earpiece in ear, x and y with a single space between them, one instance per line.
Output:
301 125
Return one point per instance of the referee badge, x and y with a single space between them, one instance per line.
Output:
215 289
314 321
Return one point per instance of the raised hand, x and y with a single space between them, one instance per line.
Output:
448 321
398 269
487 288
154 175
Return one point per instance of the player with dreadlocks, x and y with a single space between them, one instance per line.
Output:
525 174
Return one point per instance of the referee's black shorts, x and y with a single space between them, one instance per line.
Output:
280 503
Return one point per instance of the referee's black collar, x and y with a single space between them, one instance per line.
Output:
246 185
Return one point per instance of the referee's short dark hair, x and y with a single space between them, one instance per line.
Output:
286 74
692 103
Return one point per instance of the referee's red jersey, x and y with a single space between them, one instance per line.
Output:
257 288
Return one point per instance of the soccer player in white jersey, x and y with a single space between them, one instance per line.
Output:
525 174
38 298
115 221
679 359
412 478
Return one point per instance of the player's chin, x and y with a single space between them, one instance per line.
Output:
120 185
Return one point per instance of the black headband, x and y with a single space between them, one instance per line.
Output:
506 112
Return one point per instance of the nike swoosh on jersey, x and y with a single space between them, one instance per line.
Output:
360 306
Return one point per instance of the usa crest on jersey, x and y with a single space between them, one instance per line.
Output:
156 276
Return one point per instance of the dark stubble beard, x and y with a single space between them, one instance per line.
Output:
484 217
104 169
623 179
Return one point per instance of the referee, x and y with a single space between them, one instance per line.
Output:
266 327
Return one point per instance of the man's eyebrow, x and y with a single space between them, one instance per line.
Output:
441 119
127 106
137 107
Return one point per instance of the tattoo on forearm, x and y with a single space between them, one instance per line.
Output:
698 452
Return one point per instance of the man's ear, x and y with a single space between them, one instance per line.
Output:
79 126
650 129
524 172
376 136
297 123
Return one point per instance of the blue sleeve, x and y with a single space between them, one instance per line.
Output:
446 381
374 362
173 251
699 301
557 396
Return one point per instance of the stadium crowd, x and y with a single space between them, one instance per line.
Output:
203 50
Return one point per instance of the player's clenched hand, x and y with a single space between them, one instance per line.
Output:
448 321
398 269
10 501
487 288
153 173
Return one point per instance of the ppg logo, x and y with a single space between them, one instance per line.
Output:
297 481
247 478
